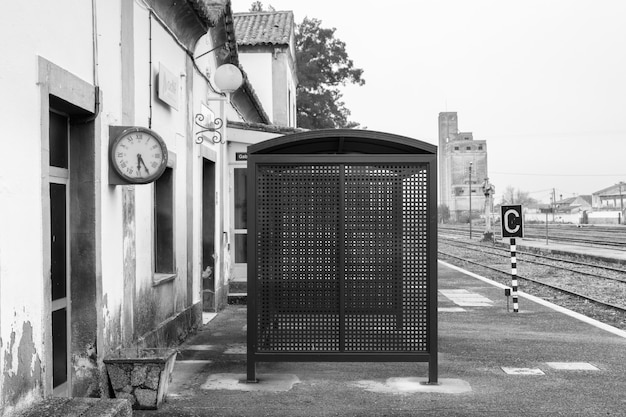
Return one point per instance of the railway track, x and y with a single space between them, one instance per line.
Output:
587 235
596 290
617 274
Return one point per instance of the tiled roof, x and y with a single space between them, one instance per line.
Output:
611 190
263 127
263 28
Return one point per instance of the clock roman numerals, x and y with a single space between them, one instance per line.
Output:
138 155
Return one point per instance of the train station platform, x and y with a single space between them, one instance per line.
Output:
611 255
540 361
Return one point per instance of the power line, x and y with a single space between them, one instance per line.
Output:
558 175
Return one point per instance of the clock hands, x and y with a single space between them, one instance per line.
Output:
141 162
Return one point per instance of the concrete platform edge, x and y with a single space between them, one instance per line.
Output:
543 302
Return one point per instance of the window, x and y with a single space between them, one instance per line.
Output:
468 148
164 223
456 148
480 147
59 145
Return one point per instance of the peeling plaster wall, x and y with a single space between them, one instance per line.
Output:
120 292
21 368
171 123
111 291
51 27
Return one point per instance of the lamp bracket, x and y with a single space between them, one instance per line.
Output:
213 126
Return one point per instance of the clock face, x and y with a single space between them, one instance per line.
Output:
139 155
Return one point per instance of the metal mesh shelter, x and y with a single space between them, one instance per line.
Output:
342 250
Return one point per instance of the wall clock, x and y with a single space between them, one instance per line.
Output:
138 155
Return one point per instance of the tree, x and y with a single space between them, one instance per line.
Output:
257 6
323 65
516 196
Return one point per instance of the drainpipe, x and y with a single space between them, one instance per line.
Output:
96 107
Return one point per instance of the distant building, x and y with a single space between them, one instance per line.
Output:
610 198
571 205
457 151
610 203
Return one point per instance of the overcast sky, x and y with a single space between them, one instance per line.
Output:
542 81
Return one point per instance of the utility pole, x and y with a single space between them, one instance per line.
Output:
488 191
553 202
470 199
621 201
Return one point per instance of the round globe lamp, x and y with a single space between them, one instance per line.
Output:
228 78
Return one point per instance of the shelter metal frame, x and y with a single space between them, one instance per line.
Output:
388 151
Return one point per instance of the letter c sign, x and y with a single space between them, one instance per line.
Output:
512 225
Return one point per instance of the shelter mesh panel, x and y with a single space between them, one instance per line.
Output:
342 258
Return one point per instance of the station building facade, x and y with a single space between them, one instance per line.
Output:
88 264
266 50
458 151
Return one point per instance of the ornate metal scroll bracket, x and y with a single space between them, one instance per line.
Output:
213 126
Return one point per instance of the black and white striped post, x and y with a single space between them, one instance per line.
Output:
512 227
514 275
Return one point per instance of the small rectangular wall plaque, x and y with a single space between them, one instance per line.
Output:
169 86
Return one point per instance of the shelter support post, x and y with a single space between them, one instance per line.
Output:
251 376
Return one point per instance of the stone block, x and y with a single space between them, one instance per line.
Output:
119 376
138 375
153 377
146 398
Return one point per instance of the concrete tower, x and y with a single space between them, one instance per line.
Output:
456 151
448 131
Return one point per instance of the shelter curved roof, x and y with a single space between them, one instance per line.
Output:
342 141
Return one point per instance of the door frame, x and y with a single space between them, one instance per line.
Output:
240 270
208 155
61 176
64 92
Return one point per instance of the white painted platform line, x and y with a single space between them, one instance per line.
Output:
522 371
578 316
194 361
572 366
451 310
465 298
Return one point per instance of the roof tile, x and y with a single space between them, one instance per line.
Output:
263 28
